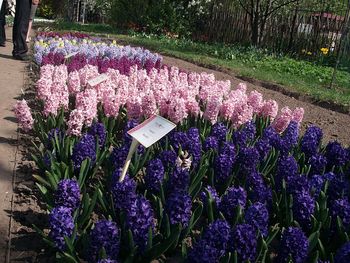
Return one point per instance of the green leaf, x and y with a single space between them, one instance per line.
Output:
321 249
159 249
150 238
41 180
313 240
69 245
273 232
86 216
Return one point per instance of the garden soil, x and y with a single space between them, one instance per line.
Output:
16 183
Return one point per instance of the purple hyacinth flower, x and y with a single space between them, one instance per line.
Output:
61 225
341 208
297 184
338 187
287 167
257 216
107 260
294 244
311 140
154 175
168 158
245 135
263 146
316 184
213 244
178 207
291 134
140 220
343 254
244 241
258 191
123 193
194 146
211 143
118 156
203 252
68 194
318 164
98 130
303 208
179 180
248 159
214 195
336 155
105 235
179 139
233 198
223 165
84 149
219 130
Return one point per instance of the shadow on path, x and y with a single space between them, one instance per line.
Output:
10 141
11 119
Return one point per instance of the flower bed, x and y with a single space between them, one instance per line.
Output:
235 182
53 48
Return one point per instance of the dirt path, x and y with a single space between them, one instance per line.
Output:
12 74
335 125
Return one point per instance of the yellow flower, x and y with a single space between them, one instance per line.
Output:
325 50
309 53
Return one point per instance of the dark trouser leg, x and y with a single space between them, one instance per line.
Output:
20 27
2 23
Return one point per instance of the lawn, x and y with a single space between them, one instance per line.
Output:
295 75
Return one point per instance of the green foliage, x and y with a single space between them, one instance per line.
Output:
158 16
46 9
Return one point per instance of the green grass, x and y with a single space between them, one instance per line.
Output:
295 75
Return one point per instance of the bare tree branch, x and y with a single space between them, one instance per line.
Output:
244 7
280 6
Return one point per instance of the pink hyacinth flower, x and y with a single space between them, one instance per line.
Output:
298 115
24 115
73 82
75 122
255 100
282 121
269 109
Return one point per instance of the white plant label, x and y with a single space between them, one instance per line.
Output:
97 80
71 54
151 130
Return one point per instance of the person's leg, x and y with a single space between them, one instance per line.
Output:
2 24
31 18
29 30
20 28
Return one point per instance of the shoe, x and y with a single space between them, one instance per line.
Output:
3 44
22 58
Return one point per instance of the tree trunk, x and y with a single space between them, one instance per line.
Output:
292 30
255 28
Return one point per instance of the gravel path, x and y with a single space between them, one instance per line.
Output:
336 126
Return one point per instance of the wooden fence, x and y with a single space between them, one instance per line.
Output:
298 31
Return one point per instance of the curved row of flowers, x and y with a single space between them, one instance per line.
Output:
54 48
234 183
